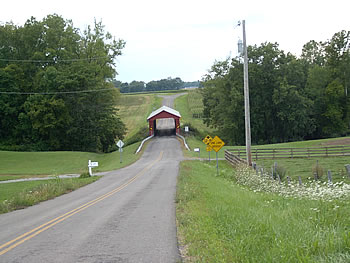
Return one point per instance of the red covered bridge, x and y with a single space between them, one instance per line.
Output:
164 113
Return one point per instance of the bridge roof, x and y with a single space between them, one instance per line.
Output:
166 109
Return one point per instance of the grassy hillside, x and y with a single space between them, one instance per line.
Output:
134 110
191 108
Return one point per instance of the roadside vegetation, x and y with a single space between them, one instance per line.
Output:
23 194
220 220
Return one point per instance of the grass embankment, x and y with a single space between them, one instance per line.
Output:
23 194
219 221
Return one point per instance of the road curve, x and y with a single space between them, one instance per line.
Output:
126 216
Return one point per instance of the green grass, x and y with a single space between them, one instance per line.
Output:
134 110
303 167
29 164
19 195
219 221
185 105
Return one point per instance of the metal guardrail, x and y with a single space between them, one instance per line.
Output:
184 140
140 147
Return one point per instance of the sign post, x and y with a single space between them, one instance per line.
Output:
216 144
207 141
120 144
92 165
197 150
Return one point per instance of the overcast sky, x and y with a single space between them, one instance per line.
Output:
183 38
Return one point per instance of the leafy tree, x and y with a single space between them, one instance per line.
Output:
63 99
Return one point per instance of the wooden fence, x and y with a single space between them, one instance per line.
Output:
234 159
276 153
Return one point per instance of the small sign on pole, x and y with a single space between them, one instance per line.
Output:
92 165
207 141
187 129
120 144
197 150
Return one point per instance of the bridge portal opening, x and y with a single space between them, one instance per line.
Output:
164 127
164 122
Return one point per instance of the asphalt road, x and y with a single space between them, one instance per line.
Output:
135 222
126 216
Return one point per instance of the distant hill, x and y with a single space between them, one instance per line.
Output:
154 85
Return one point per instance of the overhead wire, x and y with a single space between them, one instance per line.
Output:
54 93
50 61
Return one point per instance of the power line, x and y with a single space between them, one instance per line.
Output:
50 61
53 93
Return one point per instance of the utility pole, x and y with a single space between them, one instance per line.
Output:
246 99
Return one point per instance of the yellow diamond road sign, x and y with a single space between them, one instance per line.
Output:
207 139
216 143
209 149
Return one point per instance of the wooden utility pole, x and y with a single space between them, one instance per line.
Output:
246 99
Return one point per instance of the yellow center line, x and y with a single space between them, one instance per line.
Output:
36 231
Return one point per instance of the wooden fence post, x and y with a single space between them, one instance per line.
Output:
300 182
347 166
279 178
329 177
288 180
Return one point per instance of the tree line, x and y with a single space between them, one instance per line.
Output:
291 98
56 90
154 85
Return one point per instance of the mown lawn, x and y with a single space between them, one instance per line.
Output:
219 221
29 164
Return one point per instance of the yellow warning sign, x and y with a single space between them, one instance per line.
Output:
207 139
216 143
209 149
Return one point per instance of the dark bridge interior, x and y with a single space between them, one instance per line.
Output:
164 127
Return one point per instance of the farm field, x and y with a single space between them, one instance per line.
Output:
134 109
221 221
